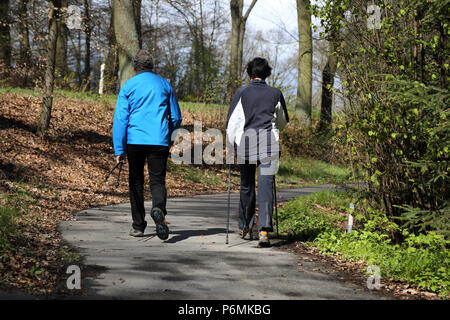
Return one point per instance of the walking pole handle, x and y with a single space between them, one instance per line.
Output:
112 170
118 176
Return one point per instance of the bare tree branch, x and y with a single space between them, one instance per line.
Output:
245 17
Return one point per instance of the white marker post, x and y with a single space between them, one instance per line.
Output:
350 218
102 76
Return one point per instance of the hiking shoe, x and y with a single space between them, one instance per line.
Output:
162 230
263 239
136 233
246 234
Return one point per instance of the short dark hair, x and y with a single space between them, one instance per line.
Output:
143 61
259 68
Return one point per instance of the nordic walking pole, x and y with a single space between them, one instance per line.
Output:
275 198
228 206
118 176
109 174
119 164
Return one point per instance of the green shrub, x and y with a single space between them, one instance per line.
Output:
406 138
395 124
422 260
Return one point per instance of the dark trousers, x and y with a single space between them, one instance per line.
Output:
156 158
247 198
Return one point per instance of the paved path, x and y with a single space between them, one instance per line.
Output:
195 262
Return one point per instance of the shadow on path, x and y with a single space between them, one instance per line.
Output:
185 234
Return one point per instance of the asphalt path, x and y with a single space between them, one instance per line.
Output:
194 262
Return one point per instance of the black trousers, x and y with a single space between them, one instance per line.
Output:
156 159
247 199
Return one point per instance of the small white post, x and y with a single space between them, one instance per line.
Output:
350 218
102 76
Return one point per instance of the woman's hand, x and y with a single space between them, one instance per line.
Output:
121 158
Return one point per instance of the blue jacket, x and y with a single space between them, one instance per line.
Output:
147 113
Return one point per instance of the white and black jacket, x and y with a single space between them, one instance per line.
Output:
256 115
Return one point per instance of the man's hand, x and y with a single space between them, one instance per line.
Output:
121 158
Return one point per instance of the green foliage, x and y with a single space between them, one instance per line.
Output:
8 226
109 99
424 219
396 127
294 170
195 174
68 255
376 221
401 142
203 107
301 220
422 260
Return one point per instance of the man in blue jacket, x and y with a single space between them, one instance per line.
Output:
147 113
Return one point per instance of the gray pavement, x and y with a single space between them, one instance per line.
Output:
195 262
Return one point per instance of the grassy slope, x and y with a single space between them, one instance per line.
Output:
299 171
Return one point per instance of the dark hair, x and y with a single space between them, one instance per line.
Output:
143 61
259 68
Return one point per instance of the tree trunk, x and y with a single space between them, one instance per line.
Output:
87 51
303 106
24 37
137 5
328 74
242 29
5 35
24 41
202 53
112 60
126 37
238 21
47 100
61 49
236 7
